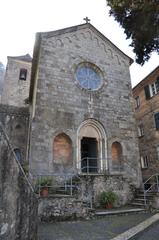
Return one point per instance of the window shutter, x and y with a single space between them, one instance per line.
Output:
157 84
147 92
157 120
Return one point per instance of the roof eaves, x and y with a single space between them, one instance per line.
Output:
145 78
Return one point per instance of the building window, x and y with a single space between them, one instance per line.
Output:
147 92
137 102
156 116
141 130
152 89
157 84
144 161
23 74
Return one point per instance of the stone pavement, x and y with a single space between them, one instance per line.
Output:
104 228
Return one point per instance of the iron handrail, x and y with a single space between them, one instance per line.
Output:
66 182
156 183
150 178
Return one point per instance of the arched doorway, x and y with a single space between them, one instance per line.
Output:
91 147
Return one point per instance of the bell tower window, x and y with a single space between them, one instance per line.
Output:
23 74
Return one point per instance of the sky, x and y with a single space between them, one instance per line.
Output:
21 19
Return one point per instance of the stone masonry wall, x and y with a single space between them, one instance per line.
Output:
16 124
18 202
55 208
61 104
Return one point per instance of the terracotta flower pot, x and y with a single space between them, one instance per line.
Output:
44 192
109 205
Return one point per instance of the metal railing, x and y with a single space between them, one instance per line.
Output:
60 185
89 165
151 185
56 184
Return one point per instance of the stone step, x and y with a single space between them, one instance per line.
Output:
139 199
148 195
138 204
58 195
119 211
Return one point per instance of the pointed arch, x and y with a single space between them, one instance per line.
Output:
62 149
91 147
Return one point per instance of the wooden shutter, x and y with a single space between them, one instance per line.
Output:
157 120
157 84
147 92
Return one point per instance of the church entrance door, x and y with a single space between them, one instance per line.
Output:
89 155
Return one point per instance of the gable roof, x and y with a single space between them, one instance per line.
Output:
25 58
80 27
50 34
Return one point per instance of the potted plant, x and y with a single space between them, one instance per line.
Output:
107 198
43 184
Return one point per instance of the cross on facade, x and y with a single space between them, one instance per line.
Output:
86 19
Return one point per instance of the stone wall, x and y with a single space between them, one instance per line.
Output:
92 186
81 204
16 124
18 204
61 208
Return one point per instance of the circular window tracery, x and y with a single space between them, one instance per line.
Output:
89 76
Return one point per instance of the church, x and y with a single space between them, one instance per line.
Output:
80 107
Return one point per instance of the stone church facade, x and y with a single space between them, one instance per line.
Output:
82 120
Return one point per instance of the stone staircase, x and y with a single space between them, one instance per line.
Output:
139 200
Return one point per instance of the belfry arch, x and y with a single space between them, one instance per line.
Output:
91 147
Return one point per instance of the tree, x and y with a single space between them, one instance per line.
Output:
140 20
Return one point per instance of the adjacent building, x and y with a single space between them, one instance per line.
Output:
17 81
146 97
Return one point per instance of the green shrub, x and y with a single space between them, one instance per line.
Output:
107 197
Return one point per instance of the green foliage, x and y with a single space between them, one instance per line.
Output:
44 181
140 20
107 197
